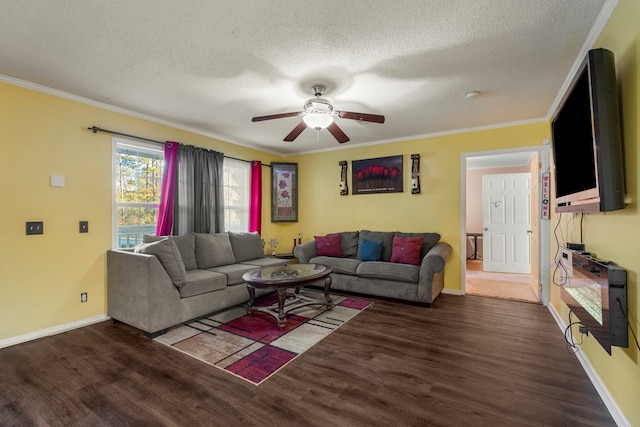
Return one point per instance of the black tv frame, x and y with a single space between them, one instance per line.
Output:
587 140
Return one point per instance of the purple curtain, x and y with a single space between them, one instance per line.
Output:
255 204
169 177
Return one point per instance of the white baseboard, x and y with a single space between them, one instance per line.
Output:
452 292
611 405
53 330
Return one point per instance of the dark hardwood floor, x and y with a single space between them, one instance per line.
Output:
466 361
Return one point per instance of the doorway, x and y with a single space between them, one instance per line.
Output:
508 282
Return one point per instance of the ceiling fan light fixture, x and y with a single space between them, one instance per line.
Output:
317 120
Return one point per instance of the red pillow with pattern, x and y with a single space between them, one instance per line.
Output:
328 245
406 250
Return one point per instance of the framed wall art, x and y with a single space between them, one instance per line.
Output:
284 192
379 175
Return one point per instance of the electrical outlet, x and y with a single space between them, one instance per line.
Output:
83 297
583 330
35 227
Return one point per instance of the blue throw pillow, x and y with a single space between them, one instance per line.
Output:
370 250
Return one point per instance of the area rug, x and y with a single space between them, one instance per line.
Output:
251 346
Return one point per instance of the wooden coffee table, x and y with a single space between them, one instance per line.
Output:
287 277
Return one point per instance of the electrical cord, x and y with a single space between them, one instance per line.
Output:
557 260
572 345
562 280
570 227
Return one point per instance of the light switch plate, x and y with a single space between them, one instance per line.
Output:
84 226
35 227
57 180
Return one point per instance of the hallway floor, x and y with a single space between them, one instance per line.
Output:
498 285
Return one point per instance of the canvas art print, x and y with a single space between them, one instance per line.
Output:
379 175
284 192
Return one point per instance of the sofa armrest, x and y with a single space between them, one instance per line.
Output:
140 292
437 257
431 281
305 252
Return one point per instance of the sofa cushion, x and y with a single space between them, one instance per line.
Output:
338 265
386 237
246 246
213 250
406 250
167 253
328 245
389 271
369 250
233 272
186 245
202 281
349 243
430 240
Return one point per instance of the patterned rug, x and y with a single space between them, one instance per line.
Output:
251 346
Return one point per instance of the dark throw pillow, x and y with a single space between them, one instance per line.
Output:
406 250
328 245
369 250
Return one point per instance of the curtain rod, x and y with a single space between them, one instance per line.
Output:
96 129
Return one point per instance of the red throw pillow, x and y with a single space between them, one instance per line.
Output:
406 250
328 245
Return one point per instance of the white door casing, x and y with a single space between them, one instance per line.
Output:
506 219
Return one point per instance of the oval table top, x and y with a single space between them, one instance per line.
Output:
283 275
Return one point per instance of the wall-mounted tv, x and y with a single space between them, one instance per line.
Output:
587 142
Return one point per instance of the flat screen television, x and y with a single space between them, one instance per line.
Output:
587 142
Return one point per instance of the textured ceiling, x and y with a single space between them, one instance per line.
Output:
209 66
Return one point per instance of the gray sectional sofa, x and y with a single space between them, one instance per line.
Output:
170 280
419 278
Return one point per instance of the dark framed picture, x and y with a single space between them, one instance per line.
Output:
379 175
284 192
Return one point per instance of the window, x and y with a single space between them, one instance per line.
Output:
236 195
137 182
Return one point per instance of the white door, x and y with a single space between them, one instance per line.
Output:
506 219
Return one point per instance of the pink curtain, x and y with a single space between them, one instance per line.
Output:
255 204
169 177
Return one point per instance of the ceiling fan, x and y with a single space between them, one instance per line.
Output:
318 113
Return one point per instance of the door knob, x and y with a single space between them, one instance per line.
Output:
485 229
528 231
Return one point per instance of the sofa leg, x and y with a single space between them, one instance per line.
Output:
152 335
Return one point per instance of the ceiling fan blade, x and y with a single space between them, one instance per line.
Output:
337 133
275 116
295 132
376 118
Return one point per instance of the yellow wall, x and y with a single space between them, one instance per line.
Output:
43 135
435 209
616 235
42 276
